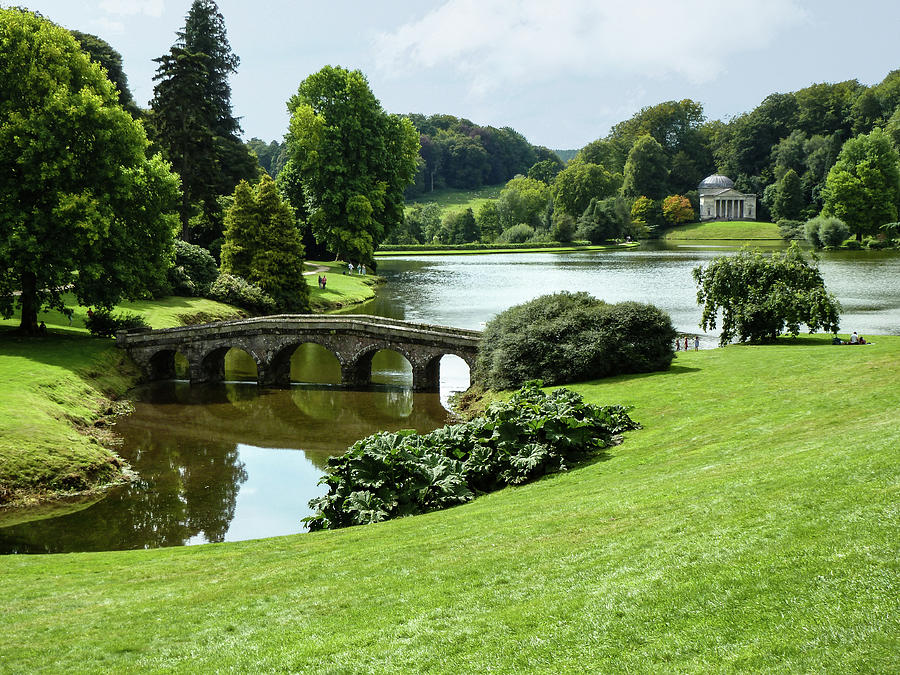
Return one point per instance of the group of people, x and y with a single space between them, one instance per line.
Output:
322 281
855 339
360 269
686 348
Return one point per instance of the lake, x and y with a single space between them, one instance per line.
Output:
231 462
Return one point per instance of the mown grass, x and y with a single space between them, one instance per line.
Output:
341 289
57 387
727 230
451 199
751 525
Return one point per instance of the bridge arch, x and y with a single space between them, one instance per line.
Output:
271 340
283 358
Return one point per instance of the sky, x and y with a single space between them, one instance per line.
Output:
561 73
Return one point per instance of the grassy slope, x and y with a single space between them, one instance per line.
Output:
752 524
450 199
737 230
341 290
55 388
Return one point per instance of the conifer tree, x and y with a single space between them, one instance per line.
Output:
192 120
262 244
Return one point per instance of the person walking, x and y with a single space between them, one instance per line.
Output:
696 343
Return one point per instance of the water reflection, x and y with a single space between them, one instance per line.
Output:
224 462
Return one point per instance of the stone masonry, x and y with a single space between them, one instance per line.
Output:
271 340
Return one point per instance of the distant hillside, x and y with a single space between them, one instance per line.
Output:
565 155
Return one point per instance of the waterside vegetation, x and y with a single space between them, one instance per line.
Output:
732 532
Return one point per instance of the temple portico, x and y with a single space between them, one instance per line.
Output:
720 201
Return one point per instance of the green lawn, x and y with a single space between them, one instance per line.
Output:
341 289
451 199
729 230
56 388
751 525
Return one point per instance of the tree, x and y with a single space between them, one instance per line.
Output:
192 120
788 202
354 161
677 209
579 183
764 296
545 170
81 205
262 244
863 186
646 211
603 220
523 200
459 227
102 52
179 123
645 170
488 221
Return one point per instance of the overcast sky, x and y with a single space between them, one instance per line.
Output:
562 73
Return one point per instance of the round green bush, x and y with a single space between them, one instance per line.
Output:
572 337
194 270
237 291
832 231
516 234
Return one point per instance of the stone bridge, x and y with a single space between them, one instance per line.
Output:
271 340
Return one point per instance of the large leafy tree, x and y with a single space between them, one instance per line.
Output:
863 186
762 296
192 119
580 182
103 53
354 161
645 170
81 205
262 244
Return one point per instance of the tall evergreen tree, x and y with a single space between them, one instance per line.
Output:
646 173
262 244
192 119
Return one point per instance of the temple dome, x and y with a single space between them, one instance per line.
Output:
716 181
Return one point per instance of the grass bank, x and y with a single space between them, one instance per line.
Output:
424 250
451 199
341 289
58 397
725 231
751 525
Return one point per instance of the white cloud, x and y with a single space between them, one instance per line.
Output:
152 8
499 42
109 26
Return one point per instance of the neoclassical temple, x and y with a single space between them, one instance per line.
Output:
720 201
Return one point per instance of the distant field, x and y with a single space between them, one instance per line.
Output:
738 230
459 200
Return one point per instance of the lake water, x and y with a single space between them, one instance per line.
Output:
231 462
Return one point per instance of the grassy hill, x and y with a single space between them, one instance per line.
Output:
724 231
450 199
751 525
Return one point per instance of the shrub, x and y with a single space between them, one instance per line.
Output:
389 475
851 245
102 322
571 337
811 230
832 231
791 229
516 234
234 290
194 270
873 243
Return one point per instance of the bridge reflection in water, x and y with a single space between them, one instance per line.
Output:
272 340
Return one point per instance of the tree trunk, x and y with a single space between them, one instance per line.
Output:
28 300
